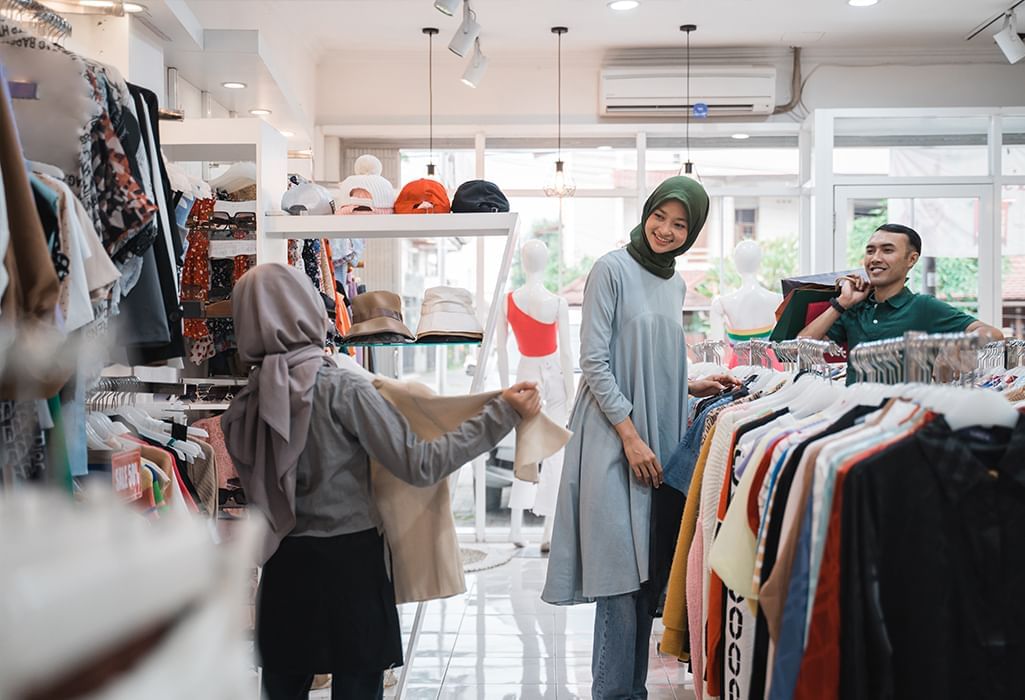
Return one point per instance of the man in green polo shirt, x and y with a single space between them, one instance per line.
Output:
883 307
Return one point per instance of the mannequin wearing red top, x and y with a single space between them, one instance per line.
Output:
539 321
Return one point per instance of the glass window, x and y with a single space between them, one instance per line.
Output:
601 168
1013 156
911 146
725 166
452 167
1013 259
949 266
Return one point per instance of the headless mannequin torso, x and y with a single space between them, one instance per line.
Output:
749 312
531 312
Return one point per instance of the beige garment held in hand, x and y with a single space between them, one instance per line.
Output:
418 523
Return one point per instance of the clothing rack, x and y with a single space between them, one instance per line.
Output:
37 17
914 357
1014 349
709 351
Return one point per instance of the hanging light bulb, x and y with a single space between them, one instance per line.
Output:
688 166
430 32
562 184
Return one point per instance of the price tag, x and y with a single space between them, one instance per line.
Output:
124 473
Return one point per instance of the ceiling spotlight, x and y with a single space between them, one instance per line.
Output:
862 3
478 65
741 137
446 7
287 134
133 8
233 85
1009 41
467 33
259 112
623 5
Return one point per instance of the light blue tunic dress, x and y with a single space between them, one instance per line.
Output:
634 361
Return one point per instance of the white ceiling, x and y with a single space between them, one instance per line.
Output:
524 25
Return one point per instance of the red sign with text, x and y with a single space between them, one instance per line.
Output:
124 471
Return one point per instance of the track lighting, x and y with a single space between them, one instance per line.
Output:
1009 41
446 7
467 33
478 65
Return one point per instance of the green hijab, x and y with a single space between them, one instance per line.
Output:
692 195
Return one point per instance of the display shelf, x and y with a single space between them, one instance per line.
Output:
390 225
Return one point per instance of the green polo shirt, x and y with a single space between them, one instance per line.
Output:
907 311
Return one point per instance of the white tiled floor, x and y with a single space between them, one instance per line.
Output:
499 640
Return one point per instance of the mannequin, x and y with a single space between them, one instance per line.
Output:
750 312
546 358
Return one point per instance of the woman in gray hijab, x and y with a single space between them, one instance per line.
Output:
302 434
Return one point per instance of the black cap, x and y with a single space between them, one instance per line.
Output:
476 196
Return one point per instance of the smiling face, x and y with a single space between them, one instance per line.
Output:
889 258
666 227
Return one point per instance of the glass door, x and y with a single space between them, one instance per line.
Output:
960 251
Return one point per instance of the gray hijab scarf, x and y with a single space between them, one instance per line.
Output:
280 326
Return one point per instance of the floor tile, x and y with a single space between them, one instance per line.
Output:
583 692
497 692
524 623
491 670
527 646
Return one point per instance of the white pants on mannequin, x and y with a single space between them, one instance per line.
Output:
541 497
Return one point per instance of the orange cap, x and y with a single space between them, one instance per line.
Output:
417 192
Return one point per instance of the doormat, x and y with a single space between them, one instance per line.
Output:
486 556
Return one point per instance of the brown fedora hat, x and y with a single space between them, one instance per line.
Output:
377 312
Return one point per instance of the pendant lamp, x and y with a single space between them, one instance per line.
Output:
562 184
688 167
430 32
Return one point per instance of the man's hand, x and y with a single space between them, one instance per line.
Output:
643 462
525 398
853 290
710 386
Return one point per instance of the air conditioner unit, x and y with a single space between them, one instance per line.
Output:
662 91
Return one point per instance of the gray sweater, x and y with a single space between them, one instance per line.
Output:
352 423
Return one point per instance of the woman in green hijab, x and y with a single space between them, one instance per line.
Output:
630 413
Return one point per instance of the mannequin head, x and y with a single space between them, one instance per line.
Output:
534 257
747 256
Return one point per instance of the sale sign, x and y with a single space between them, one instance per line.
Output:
124 471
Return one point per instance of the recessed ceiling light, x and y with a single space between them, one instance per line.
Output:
133 8
862 3
233 85
741 137
604 148
96 3
287 134
259 112
623 5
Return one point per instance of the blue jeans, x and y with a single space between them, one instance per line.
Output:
619 661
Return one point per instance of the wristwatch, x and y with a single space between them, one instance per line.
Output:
840 308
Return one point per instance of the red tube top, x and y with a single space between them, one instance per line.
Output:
534 339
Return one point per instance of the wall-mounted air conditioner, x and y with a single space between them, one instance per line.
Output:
729 91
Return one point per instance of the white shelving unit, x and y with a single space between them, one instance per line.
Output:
422 226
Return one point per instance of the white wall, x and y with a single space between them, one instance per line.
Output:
146 60
521 89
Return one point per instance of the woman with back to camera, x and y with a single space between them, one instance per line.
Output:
302 434
630 413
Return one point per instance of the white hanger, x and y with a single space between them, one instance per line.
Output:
963 408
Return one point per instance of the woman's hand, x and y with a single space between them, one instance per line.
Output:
712 385
643 462
525 398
